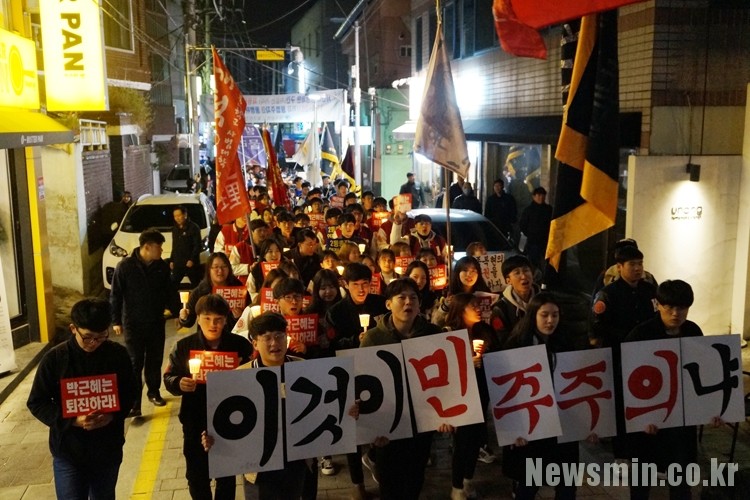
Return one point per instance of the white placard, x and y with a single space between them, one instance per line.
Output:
585 394
319 395
651 386
442 380
521 395
712 381
244 418
7 354
380 385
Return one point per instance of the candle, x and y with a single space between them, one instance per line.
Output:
195 366
286 249
340 269
364 320
362 247
254 311
398 269
184 296
478 346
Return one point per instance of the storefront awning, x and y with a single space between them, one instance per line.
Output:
20 128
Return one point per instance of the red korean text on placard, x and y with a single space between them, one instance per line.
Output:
85 395
439 360
375 284
267 302
583 381
647 381
267 266
402 262
518 379
214 361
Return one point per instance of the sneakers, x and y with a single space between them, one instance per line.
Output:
370 465
485 455
326 466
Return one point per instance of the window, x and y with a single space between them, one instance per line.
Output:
405 51
468 27
118 19
484 32
418 45
450 31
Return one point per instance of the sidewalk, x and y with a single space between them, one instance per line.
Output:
154 467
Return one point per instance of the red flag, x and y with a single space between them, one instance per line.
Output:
229 111
517 21
279 190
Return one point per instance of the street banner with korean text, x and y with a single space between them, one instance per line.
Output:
319 395
651 385
522 397
214 361
380 387
585 394
442 380
85 395
289 108
244 418
712 379
229 110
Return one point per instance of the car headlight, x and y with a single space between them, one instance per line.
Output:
116 250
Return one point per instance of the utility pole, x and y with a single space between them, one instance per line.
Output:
190 85
356 99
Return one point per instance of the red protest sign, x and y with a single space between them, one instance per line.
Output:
336 201
438 277
236 296
375 284
84 395
377 220
266 267
214 361
402 203
267 302
318 221
402 262
303 328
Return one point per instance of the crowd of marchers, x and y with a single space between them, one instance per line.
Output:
337 254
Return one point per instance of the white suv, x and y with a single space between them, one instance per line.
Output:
155 211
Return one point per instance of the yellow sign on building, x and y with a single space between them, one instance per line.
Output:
270 55
73 48
19 87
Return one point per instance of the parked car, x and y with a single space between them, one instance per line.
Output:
177 180
466 227
155 211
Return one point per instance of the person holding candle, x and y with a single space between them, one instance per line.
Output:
211 336
466 278
86 449
218 273
464 313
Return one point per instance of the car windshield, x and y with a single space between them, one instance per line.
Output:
179 174
142 217
465 232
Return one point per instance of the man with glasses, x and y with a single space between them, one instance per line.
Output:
86 445
141 290
212 311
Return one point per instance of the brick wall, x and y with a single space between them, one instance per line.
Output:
137 170
134 65
97 181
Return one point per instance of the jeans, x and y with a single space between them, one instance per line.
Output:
76 482
196 473
145 344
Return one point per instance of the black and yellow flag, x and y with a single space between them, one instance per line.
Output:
588 149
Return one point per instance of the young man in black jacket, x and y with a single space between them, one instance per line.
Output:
86 449
212 311
141 291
